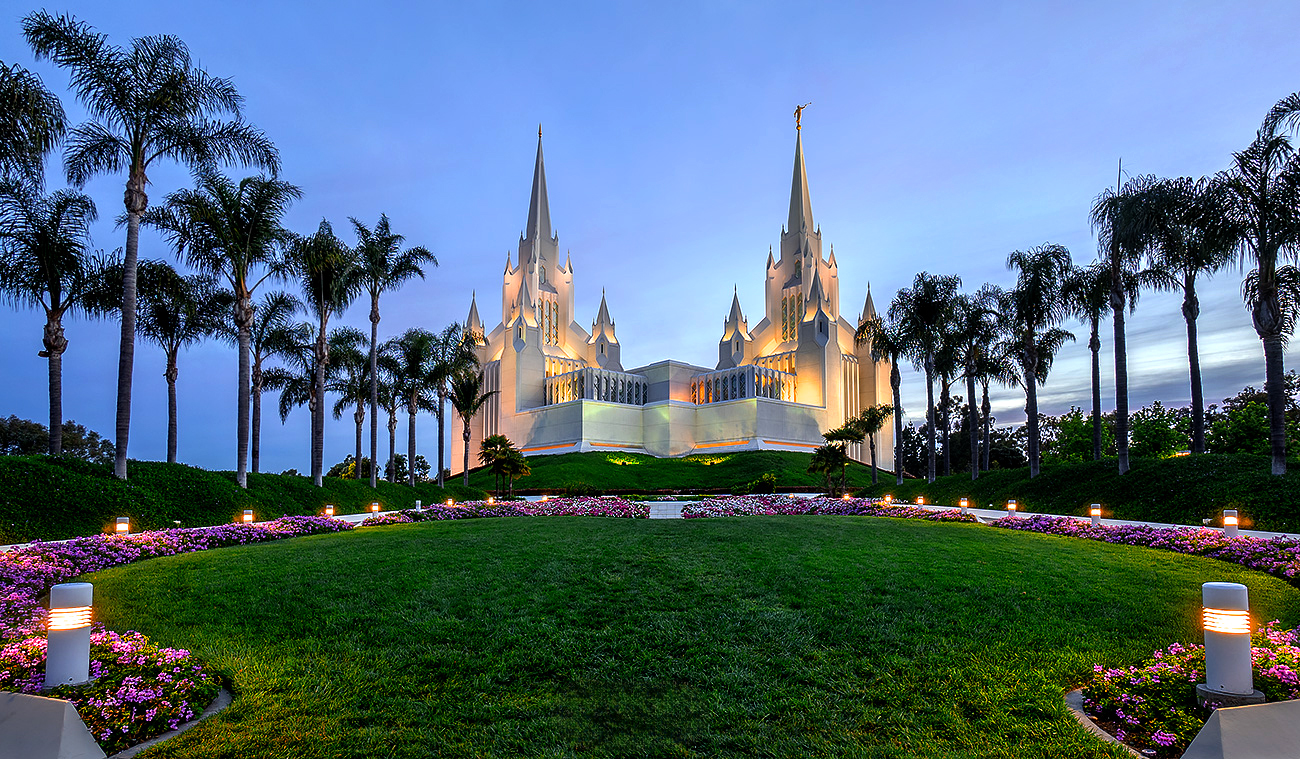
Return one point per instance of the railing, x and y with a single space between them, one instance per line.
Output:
742 382
598 385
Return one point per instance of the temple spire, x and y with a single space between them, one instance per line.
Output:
539 209
800 206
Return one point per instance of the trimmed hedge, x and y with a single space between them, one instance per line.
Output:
53 497
1182 490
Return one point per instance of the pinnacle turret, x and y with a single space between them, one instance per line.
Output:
868 308
473 323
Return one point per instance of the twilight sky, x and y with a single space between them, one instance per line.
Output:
941 137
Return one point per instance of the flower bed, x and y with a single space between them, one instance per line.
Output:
139 689
1153 705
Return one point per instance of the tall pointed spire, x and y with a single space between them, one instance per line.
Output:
473 323
868 308
539 209
800 205
602 316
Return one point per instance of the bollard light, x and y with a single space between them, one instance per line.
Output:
418 507
374 508
1096 515
491 499
1226 618
920 500
889 498
1230 523
67 658
123 526
329 509
545 498
451 502
846 496
965 504
248 515
1011 507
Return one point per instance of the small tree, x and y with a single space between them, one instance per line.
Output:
870 422
493 453
467 397
827 460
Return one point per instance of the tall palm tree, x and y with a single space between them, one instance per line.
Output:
975 328
1263 196
870 422
453 353
147 103
233 232
467 397
389 400
1032 309
270 335
413 354
947 364
294 378
31 123
326 271
177 311
46 264
995 364
1122 220
1190 239
1087 298
384 267
887 342
351 379
921 313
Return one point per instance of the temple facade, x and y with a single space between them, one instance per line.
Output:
777 385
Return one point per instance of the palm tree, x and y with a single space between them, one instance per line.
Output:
295 378
995 364
453 353
388 400
947 364
1190 239
384 267
270 335
921 313
1123 222
827 460
46 264
849 433
413 354
327 273
1087 298
887 342
494 452
515 466
975 328
467 397
351 379
147 103
177 311
1263 203
230 231
1031 309
31 124
870 422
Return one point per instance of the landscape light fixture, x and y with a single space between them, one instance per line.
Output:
1096 515
846 496
1230 523
889 498
123 526
545 498
964 504
1226 618
491 499
248 515
920 500
67 656
1011 507
418 507
329 509
451 502
374 508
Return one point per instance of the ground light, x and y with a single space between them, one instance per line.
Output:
248 515
846 496
1011 507
1230 523
67 658
123 526
374 508
451 502
920 500
964 504
329 509
545 498
1096 515
1225 615
889 498
491 499
418 507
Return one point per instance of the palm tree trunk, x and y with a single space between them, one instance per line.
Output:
1121 377
1274 386
171 375
1031 406
972 424
1094 345
1192 310
374 389
244 321
255 436
359 416
55 345
466 437
895 384
872 443
442 435
411 411
391 473
318 414
135 205
987 409
945 403
929 416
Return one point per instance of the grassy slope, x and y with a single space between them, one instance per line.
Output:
636 472
52 498
779 637
1183 490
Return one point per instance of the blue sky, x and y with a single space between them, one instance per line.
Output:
941 137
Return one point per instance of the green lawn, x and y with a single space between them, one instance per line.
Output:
760 636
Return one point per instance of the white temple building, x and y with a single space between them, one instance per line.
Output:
777 385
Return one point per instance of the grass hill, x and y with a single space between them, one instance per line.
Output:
54 497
